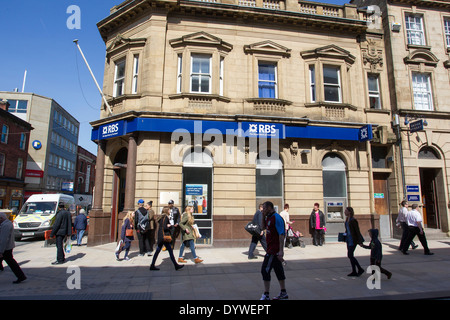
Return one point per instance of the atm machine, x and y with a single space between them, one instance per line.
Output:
334 216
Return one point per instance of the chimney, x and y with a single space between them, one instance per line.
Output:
4 104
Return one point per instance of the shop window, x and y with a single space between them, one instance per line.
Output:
269 178
334 177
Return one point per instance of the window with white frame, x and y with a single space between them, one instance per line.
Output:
201 73
135 74
119 79
267 80
447 31
312 79
414 29
179 72
332 84
374 91
221 76
423 97
5 133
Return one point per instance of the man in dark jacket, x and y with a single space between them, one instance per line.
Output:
174 219
80 225
61 229
257 220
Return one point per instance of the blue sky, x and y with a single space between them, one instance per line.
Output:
35 37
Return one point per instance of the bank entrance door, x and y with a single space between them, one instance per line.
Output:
197 192
429 198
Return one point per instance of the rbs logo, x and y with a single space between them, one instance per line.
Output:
262 129
111 129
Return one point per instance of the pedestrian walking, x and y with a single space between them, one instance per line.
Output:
274 258
415 228
174 218
376 251
402 223
353 238
317 223
127 235
62 230
257 220
151 216
188 235
142 226
7 245
164 239
80 225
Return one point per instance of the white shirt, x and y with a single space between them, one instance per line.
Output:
413 217
402 214
285 215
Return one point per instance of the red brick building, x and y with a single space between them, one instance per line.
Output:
14 138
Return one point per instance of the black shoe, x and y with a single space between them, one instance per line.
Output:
58 262
415 246
179 266
353 274
405 253
252 257
428 253
1 267
154 268
20 280
360 272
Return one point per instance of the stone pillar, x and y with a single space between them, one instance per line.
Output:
130 187
99 221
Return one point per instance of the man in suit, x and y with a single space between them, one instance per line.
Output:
61 229
174 219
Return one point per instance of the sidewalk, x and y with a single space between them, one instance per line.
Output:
313 273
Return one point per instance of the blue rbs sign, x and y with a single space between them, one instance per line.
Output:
365 133
111 130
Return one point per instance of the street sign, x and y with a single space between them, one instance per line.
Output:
414 197
412 188
416 126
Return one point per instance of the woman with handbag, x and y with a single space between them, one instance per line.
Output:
353 238
164 239
188 234
127 235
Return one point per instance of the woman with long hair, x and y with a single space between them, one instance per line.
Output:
164 231
353 238
126 235
188 234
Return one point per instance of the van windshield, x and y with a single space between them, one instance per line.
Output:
39 208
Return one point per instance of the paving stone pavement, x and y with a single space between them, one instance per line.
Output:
313 273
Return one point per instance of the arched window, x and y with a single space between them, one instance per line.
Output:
334 177
428 153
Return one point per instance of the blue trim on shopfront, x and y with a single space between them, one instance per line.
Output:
247 129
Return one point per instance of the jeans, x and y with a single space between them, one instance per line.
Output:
351 256
80 234
191 246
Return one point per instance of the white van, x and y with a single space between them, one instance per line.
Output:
38 214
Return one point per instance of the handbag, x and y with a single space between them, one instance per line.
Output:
253 229
342 237
167 238
129 233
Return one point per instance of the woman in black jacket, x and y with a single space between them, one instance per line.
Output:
353 238
164 230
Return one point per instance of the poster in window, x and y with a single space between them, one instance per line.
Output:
197 197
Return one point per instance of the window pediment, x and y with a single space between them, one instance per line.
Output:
267 47
120 43
331 51
421 56
201 39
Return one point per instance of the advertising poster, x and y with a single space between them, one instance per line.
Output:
197 197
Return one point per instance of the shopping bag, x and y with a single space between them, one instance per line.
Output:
197 233
68 246
119 246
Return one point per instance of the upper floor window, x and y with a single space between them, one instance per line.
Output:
374 91
201 73
415 29
119 79
312 78
5 133
267 80
2 164
23 141
332 84
19 168
135 74
447 31
423 98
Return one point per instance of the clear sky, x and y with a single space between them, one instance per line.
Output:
35 37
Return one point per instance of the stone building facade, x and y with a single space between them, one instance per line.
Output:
223 105
417 41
